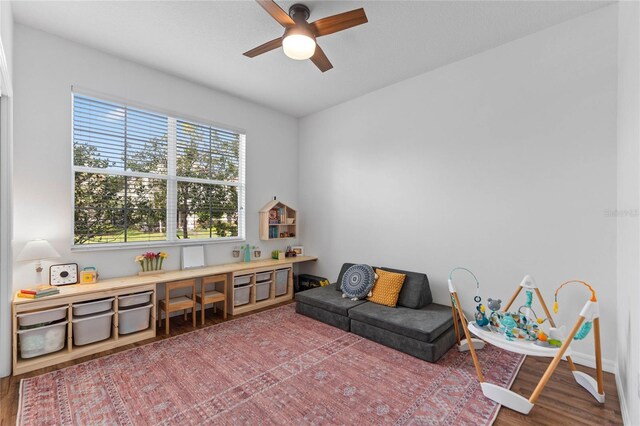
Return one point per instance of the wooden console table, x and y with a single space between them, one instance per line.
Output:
121 286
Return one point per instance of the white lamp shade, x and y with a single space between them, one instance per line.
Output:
298 46
37 250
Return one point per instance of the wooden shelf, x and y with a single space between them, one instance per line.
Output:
282 212
115 287
253 304
71 351
127 283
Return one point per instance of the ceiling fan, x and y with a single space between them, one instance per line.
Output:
299 38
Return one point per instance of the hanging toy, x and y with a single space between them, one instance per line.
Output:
585 328
481 317
531 322
528 310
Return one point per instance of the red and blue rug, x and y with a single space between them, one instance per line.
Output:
274 367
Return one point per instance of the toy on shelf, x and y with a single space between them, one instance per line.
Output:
89 275
534 341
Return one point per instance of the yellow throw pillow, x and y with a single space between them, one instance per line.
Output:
387 288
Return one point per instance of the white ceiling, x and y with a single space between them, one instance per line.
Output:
203 41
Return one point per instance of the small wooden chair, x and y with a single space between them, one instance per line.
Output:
213 296
180 303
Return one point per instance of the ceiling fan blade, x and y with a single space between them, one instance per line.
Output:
339 22
321 60
276 12
264 48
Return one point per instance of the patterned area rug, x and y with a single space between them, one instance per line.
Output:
274 367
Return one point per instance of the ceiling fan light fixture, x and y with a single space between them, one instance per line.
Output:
299 39
299 46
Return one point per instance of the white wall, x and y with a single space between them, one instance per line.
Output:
504 162
628 344
45 69
6 32
6 143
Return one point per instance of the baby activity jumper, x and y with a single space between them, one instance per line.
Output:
524 333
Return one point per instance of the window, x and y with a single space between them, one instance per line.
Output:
141 176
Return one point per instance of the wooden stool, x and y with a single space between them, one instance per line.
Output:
180 303
213 296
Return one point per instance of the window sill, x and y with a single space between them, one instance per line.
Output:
153 244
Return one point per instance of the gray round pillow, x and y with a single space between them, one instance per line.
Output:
358 281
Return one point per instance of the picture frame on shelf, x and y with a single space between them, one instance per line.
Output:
299 250
192 257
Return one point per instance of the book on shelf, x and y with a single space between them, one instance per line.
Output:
273 232
36 296
38 291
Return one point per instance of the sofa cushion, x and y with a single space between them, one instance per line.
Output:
327 298
324 316
387 288
424 324
344 268
358 281
341 274
415 292
428 351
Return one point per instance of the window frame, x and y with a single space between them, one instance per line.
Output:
170 177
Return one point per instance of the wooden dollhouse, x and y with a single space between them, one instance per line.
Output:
278 221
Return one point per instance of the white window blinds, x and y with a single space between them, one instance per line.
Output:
141 176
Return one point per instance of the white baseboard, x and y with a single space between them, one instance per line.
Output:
623 401
590 361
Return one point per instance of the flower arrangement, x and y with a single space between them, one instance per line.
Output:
150 261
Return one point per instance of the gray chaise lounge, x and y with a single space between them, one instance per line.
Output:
416 326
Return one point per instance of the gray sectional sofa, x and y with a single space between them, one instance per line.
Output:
417 326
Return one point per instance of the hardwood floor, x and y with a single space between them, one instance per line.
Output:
563 401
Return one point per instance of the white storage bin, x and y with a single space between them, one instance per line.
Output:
42 340
91 328
134 319
245 279
134 299
42 317
263 276
282 281
93 307
263 290
241 295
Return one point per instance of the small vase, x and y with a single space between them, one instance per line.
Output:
247 254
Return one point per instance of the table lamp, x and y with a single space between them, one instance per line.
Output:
37 250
